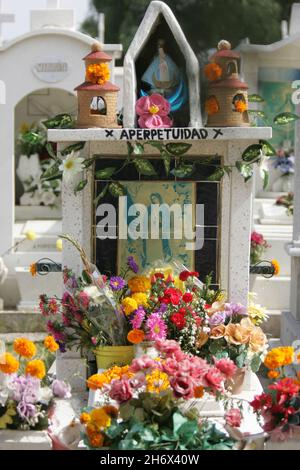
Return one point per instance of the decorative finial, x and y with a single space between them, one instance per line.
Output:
96 47
224 45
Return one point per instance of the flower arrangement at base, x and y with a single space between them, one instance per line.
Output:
28 393
153 111
258 247
141 404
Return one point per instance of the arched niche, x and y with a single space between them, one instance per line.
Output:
29 112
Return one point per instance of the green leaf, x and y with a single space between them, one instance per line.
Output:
106 173
258 113
183 171
255 98
267 148
156 144
214 346
81 185
285 118
178 149
178 421
265 178
101 195
116 189
72 148
167 161
217 175
240 359
89 161
61 121
51 150
144 167
114 430
135 149
252 153
255 363
52 172
245 170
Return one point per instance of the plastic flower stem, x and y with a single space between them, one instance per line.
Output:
13 247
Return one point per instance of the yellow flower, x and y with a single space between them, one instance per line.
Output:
24 347
140 298
273 374
157 381
96 381
279 357
139 284
30 235
51 344
257 313
276 266
97 73
6 418
36 368
100 418
59 244
129 305
289 353
85 418
8 364
33 269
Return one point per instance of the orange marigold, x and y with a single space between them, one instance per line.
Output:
199 391
111 411
240 106
36 368
96 381
51 344
96 440
276 266
212 71
273 374
97 73
8 364
139 284
24 347
136 336
211 105
33 270
85 418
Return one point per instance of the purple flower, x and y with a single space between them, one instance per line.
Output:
235 309
117 283
132 264
26 410
25 389
61 389
62 347
138 318
217 318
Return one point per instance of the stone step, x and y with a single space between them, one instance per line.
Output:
12 321
274 293
272 326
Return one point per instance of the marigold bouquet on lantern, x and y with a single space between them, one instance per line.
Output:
27 393
149 394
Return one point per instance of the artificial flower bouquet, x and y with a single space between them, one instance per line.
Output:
279 408
258 247
141 404
26 391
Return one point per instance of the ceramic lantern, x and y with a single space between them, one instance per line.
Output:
227 100
97 96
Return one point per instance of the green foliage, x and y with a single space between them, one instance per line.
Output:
285 118
73 148
33 140
245 169
144 167
61 121
81 185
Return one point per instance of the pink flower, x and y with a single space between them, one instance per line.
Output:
121 390
137 320
94 340
170 366
226 366
198 367
83 299
168 347
183 386
153 111
142 363
138 381
157 329
214 379
233 418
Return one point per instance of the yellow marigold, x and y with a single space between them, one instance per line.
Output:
97 73
36 368
33 270
240 106
289 353
96 439
157 381
85 418
139 284
51 344
140 298
96 381
136 336
273 374
8 364
100 418
24 347
212 105
199 391
129 305
276 266
212 71
91 429
111 411
274 359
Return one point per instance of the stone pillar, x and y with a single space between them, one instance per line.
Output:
77 213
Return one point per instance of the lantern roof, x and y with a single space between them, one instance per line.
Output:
89 86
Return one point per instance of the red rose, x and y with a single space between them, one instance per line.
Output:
171 296
184 275
207 306
187 297
182 311
178 320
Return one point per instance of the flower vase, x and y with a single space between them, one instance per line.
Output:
236 384
108 356
145 348
284 184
